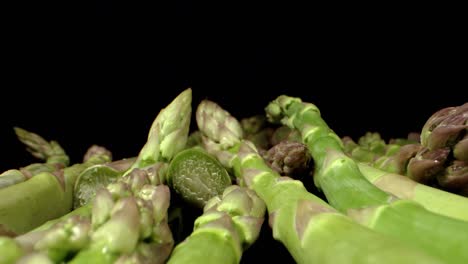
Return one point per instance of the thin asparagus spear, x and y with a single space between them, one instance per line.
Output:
433 199
51 153
311 230
230 223
348 190
167 136
168 133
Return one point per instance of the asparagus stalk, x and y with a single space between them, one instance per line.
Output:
168 133
27 205
433 199
311 230
387 170
230 223
167 136
349 191
51 153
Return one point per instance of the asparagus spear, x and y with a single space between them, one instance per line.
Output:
168 133
230 223
433 199
347 189
311 230
167 136
51 153
26 205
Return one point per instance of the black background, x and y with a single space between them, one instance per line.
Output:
99 73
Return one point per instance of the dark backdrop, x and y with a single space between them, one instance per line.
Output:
99 73
103 78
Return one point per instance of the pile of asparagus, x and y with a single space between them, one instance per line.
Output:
286 174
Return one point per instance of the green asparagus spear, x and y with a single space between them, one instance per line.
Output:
433 199
167 136
231 222
26 205
311 230
168 133
51 153
347 189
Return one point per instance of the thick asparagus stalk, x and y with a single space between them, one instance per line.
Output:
311 230
348 190
26 205
231 222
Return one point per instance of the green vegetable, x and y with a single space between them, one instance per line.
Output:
90 180
348 190
197 176
128 218
26 205
51 152
167 136
10 251
168 133
433 199
311 230
231 222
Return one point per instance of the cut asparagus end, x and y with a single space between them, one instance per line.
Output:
197 177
